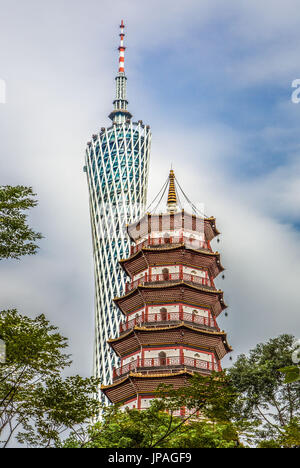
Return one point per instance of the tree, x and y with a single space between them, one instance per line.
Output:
265 399
16 237
158 427
36 404
142 429
56 407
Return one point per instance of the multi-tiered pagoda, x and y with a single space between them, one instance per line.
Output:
170 305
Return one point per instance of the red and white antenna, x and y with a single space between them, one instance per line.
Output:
120 113
121 48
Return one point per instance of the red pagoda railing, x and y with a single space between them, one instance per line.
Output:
160 317
168 277
156 241
169 362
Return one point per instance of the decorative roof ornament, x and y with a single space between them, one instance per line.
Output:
172 197
174 200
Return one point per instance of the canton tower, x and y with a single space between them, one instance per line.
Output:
116 164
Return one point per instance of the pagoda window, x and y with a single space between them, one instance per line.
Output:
160 223
162 358
163 314
172 222
167 238
165 273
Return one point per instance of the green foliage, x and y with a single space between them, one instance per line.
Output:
36 404
265 399
289 437
157 427
34 344
203 434
292 373
16 237
56 406
143 429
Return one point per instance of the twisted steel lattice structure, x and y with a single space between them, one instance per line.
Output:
117 161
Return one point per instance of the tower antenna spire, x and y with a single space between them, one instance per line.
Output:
120 113
121 48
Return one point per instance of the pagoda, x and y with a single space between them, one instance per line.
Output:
170 305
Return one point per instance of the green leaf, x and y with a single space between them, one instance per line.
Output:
292 373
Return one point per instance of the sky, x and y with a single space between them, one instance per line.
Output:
213 79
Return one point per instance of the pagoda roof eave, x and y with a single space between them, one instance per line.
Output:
172 327
144 295
123 261
159 286
146 376
135 378
213 219
140 334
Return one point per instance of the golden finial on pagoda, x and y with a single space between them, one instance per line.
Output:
172 198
